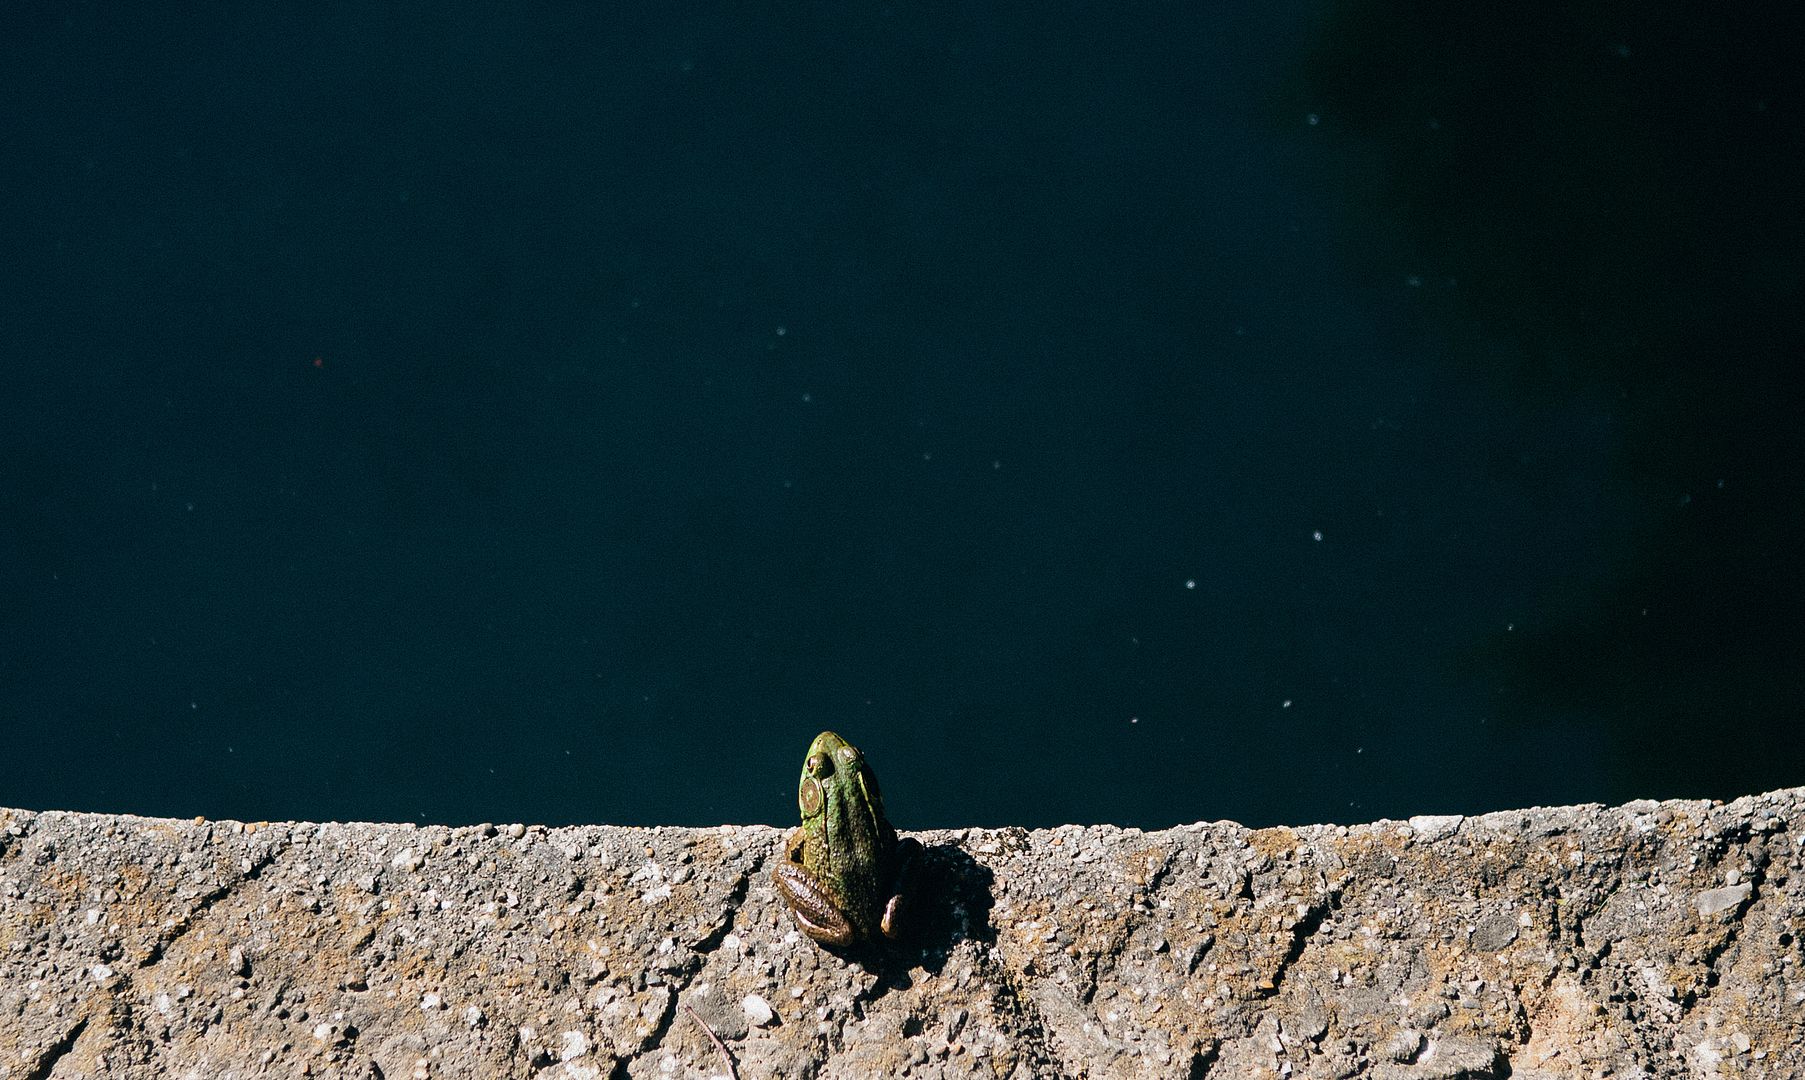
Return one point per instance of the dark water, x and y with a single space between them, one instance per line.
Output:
1294 413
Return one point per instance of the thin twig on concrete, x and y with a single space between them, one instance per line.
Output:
733 1072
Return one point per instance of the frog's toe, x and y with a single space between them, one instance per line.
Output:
895 917
835 931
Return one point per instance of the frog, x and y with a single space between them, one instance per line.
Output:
844 874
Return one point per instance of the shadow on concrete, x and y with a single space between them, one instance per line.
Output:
953 905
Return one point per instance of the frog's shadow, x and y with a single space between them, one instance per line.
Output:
953 902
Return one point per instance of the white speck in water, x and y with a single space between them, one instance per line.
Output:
1285 704
1312 119
1190 583
782 330
806 398
1317 536
191 507
998 465
1414 281
194 705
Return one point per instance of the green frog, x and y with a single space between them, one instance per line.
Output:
845 875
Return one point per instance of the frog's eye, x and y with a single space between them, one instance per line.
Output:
820 766
809 796
849 757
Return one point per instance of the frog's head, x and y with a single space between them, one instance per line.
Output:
835 772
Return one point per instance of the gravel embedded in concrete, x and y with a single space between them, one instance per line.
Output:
1654 939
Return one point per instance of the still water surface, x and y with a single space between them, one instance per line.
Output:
1306 412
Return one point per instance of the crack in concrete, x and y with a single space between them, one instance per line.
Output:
1202 1061
56 1051
1302 932
1031 1025
736 898
654 1039
1732 933
204 904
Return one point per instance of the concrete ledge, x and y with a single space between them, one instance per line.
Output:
1654 939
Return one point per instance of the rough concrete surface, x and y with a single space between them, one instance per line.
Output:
1654 939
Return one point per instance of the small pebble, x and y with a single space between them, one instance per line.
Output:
1715 901
758 1010
572 1045
431 1002
516 831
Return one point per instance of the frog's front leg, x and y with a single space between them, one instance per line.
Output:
815 909
903 888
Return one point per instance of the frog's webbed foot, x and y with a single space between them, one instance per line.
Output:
908 874
814 909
